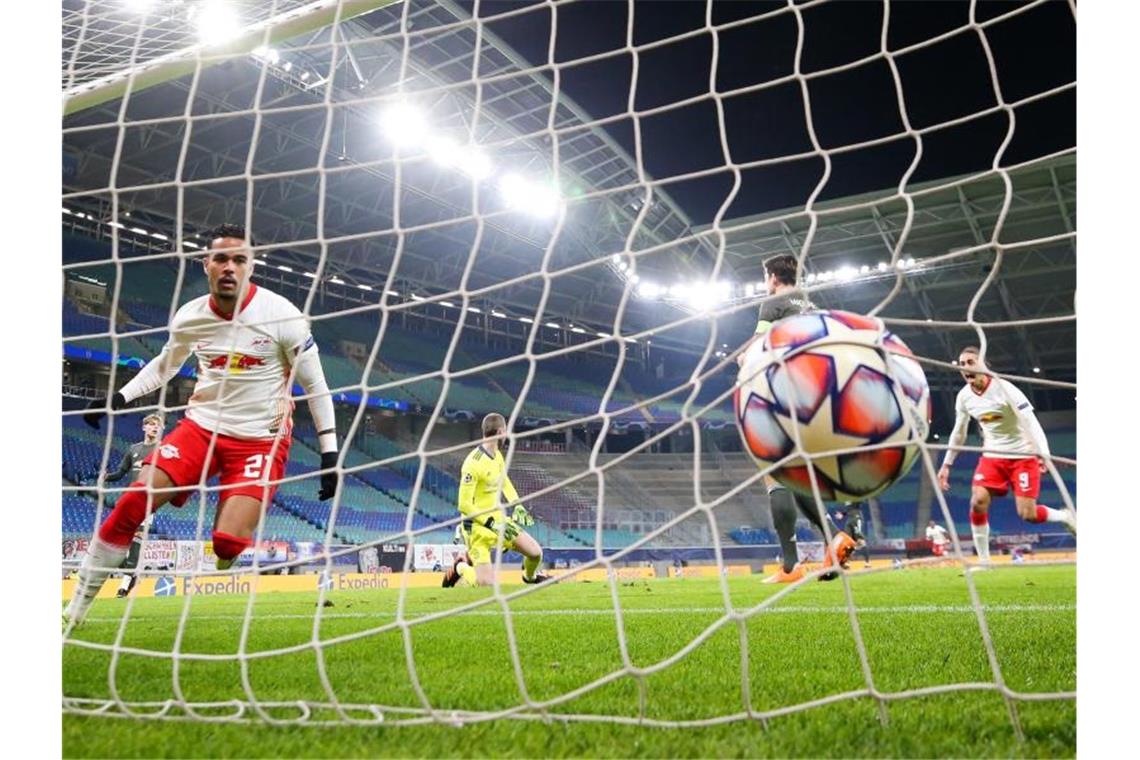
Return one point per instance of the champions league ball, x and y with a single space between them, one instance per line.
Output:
837 381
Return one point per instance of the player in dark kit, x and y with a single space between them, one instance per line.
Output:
851 518
785 299
132 462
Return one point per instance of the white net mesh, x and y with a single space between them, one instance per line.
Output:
409 167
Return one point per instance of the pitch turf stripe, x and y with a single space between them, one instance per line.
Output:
783 610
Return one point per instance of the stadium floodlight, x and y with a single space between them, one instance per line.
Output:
526 320
288 66
215 21
1037 370
554 325
810 278
882 266
159 236
416 297
533 198
846 273
188 244
311 275
475 309
498 314
864 269
910 261
577 330
362 286
475 163
448 304
404 125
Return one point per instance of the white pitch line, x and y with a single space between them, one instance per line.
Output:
782 610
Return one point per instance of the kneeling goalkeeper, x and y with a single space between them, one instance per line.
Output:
484 525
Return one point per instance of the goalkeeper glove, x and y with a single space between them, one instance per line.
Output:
522 516
328 478
96 409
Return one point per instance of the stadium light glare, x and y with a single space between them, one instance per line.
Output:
138 6
498 314
1037 370
393 293
475 309
159 236
526 320
649 289
266 53
603 335
810 278
304 76
910 261
215 22
336 279
882 266
139 231
864 269
554 325
532 198
577 330
846 273
311 275
416 297
448 304
188 244
362 286
404 125
284 268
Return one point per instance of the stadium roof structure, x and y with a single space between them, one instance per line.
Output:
297 132
291 130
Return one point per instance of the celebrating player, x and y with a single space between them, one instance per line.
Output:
485 526
249 343
132 462
1015 450
785 299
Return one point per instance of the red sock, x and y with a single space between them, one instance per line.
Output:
129 512
1038 516
227 546
979 518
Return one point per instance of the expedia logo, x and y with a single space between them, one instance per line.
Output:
990 417
345 582
235 362
230 586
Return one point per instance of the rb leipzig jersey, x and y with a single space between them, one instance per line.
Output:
995 409
243 363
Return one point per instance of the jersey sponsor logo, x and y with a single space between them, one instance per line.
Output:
236 362
168 451
990 417
262 340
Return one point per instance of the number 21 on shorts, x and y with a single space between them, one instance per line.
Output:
257 466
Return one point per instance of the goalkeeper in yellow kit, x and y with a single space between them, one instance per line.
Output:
485 525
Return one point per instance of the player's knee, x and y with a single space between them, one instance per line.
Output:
979 504
227 546
129 512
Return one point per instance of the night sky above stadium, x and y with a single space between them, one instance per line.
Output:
1034 52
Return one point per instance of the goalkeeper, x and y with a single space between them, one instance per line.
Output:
485 526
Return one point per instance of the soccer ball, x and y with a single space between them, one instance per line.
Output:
851 383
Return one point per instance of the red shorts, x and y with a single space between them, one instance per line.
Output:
242 465
996 475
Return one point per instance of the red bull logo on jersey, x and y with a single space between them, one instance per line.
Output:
991 417
236 362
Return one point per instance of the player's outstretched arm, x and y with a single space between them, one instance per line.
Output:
957 438
158 372
311 375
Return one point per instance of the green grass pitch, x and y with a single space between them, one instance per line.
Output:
919 629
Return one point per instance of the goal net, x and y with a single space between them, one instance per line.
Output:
558 211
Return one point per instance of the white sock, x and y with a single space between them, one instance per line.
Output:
982 541
101 560
125 585
1055 515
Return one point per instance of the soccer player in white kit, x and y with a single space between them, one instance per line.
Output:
1015 448
249 344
